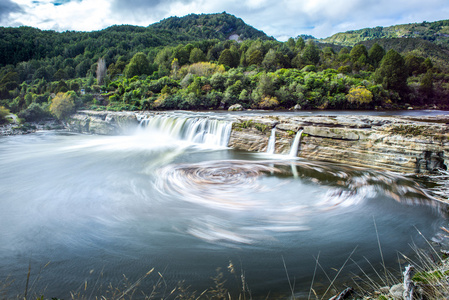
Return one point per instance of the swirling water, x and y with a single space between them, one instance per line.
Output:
98 207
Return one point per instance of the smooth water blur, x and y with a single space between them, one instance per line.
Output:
98 207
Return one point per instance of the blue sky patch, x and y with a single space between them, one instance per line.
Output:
60 2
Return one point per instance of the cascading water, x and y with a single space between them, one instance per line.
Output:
272 141
200 130
296 143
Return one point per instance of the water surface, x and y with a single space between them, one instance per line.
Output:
98 207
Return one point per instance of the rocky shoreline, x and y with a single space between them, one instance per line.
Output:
16 129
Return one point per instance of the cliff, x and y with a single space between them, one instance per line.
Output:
400 144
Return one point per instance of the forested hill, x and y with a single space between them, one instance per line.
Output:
211 26
26 43
435 32
213 62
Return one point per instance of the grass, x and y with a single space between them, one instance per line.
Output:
430 281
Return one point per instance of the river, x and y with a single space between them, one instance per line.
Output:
82 211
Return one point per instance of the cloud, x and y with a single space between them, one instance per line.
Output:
8 7
278 18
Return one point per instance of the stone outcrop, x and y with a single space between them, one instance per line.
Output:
401 144
105 123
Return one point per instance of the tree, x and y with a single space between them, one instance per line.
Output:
392 73
196 55
80 70
101 71
359 95
375 55
300 44
343 55
62 105
291 43
60 75
139 65
414 64
311 54
270 62
255 58
33 113
357 52
228 59
426 83
3 113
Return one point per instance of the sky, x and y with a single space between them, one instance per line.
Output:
278 18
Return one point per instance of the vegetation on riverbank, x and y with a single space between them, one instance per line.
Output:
218 62
426 277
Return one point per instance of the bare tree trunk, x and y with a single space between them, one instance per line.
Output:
101 71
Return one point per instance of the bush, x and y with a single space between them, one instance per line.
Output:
3 113
62 105
35 112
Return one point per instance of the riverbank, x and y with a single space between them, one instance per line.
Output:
19 129
405 144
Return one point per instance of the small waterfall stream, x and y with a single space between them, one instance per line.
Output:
272 142
200 130
296 144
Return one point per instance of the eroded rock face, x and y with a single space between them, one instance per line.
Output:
104 123
401 144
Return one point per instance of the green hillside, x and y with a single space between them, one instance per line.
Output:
435 32
213 62
419 47
27 43
210 26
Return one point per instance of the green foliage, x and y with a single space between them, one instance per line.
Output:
375 54
197 55
300 44
261 127
3 113
244 124
392 73
429 277
173 65
35 112
139 65
62 105
311 54
359 95
426 31
357 52
228 59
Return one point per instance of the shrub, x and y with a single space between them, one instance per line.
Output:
3 113
62 105
34 112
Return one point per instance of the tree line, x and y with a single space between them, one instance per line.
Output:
215 74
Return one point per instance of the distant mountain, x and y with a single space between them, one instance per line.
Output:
27 43
435 32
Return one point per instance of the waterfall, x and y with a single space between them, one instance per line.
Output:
272 141
296 144
200 130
